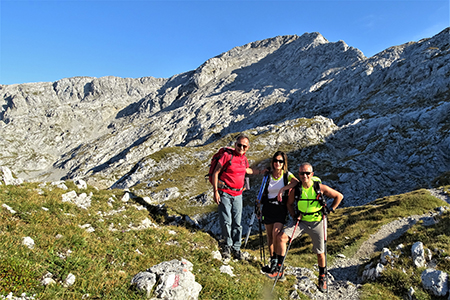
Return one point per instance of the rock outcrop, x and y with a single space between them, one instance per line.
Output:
371 126
175 281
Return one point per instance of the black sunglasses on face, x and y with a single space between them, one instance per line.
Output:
241 145
304 173
279 161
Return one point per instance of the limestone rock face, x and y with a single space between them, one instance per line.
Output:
371 126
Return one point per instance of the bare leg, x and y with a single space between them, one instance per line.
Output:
281 245
321 260
276 231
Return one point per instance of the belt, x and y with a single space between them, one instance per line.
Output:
222 185
311 213
274 201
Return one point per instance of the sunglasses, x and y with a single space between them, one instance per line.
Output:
304 173
279 161
241 145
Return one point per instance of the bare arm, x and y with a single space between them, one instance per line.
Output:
290 204
331 193
294 181
215 181
252 171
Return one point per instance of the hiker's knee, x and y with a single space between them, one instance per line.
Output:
282 237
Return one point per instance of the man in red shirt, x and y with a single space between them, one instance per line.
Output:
228 186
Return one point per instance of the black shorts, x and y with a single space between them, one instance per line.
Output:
274 213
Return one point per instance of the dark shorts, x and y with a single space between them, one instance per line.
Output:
274 213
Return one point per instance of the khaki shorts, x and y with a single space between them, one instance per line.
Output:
313 229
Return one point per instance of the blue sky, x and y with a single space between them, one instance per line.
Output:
44 41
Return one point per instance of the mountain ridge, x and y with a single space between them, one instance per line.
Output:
383 106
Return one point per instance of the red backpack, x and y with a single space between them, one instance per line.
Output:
216 158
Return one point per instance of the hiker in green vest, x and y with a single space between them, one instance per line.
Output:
309 219
275 197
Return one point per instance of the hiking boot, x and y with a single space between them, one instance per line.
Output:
277 272
266 269
270 268
273 265
323 283
226 253
237 254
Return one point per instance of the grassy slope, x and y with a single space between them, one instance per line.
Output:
104 261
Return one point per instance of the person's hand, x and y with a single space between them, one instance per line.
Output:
258 213
280 195
217 197
327 210
298 216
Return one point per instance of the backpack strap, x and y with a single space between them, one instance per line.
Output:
286 178
265 195
316 186
286 182
320 198
228 163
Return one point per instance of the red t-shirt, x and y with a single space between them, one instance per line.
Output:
234 174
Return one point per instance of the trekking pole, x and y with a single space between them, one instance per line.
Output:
325 225
262 254
252 219
285 255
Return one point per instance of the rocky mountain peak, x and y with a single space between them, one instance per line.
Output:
371 126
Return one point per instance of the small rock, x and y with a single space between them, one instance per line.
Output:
216 255
9 208
227 270
81 184
70 280
126 197
29 242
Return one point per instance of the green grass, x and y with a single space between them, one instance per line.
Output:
104 261
395 282
351 226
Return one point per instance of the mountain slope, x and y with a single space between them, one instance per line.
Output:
384 125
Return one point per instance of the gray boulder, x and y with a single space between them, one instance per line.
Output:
386 256
418 254
82 201
175 278
7 177
435 281
373 273
144 282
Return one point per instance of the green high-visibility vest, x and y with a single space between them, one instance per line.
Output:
308 205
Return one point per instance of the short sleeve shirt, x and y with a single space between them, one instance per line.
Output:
275 184
234 174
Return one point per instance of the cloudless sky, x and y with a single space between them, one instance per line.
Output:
44 41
